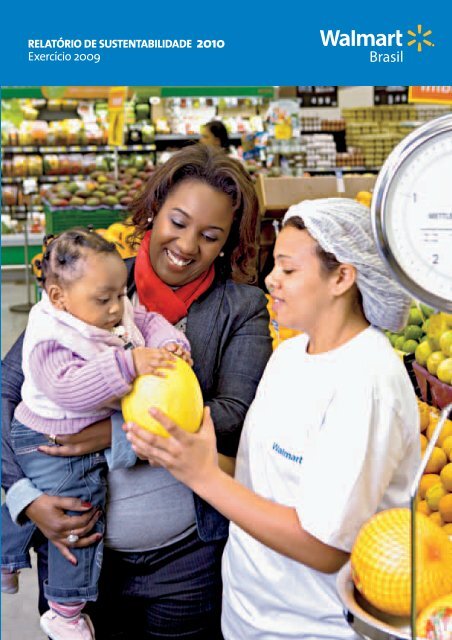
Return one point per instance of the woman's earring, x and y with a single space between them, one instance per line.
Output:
221 254
150 220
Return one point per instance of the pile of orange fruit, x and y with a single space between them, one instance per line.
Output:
277 332
435 488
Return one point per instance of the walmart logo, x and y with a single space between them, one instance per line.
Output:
420 38
394 41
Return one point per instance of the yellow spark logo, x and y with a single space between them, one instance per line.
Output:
420 38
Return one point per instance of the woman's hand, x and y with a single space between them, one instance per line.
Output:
151 361
94 438
49 515
190 457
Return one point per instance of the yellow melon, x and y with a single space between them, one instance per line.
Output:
435 618
178 395
381 561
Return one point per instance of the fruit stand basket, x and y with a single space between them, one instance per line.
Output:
432 389
368 622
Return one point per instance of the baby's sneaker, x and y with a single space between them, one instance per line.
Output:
10 582
59 628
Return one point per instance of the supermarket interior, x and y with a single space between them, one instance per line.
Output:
71 157
332 139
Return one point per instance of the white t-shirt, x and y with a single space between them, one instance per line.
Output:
335 436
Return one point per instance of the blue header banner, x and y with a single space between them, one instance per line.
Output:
232 43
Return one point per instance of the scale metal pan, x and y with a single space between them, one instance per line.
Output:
365 620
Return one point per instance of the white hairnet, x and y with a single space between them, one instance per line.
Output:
343 227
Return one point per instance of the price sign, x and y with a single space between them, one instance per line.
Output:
431 95
116 115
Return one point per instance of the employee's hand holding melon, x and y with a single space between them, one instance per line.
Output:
192 458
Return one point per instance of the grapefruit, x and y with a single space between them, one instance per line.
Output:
445 343
444 371
434 360
381 561
178 395
435 618
423 351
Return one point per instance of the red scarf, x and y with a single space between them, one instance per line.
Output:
157 296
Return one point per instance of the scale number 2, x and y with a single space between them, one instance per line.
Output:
435 258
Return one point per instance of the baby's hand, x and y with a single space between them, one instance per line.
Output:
152 361
179 351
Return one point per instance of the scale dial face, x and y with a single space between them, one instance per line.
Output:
413 213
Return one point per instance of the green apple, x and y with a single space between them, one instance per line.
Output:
427 311
410 346
415 317
413 332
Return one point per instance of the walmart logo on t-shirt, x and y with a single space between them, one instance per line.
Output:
286 454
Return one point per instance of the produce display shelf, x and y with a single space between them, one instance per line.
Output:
69 177
77 148
21 208
60 219
307 132
53 178
174 137
344 169
13 253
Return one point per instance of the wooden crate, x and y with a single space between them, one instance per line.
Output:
276 195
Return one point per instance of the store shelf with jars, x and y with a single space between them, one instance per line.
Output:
186 116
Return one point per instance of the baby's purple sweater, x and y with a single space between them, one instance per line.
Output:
76 384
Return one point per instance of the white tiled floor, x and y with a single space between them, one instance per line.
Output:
20 617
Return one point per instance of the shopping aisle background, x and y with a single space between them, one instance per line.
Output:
20 618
